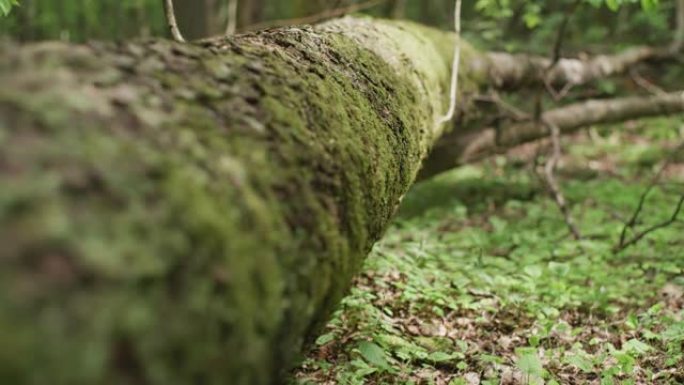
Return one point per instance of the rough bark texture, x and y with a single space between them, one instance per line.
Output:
188 214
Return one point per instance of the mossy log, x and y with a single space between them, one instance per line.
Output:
191 213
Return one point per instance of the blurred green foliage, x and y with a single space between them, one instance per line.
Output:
532 26
6 6
522 25
80 20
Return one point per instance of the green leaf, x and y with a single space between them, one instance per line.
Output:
325 338
561 269
441 357
674 332
649 5
625 362
534 271
6 6
487 358
529 363
582 363
613 5
532 20
637 347
373 354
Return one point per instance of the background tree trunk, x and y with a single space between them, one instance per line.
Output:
396 9
249 12
679 27
198 19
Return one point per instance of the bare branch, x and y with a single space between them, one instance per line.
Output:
554 132
453 96
467 145
560 38
511 71
171 21
587 113
638 237
554 187
510 111
557 55
645 84
633 220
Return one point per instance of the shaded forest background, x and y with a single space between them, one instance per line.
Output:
499 25
508 25
594 28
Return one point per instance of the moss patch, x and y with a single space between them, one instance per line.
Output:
191 213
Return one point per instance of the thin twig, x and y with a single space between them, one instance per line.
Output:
560 38
554 132
640 206
453 96
557 96
633 220
317 18
511 111
638 237
645 84
171 21
556 191
557 55
231 25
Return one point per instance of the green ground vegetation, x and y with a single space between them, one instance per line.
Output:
479 281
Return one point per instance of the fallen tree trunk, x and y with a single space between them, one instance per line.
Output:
458 148
189 214
513 71
175 213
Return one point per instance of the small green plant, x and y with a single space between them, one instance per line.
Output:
479 281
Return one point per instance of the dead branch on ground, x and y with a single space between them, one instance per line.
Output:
633 221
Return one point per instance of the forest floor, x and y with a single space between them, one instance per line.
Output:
479 281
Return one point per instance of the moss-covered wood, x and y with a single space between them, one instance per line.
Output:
188 214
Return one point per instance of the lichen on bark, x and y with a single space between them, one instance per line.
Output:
192 213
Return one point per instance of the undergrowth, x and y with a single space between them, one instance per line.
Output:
479 281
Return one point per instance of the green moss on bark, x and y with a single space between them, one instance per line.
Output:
189 214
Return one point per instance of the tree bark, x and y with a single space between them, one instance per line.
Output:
231 18
396 9
249 12
198 19
514 71
457 148
183 214
678 44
